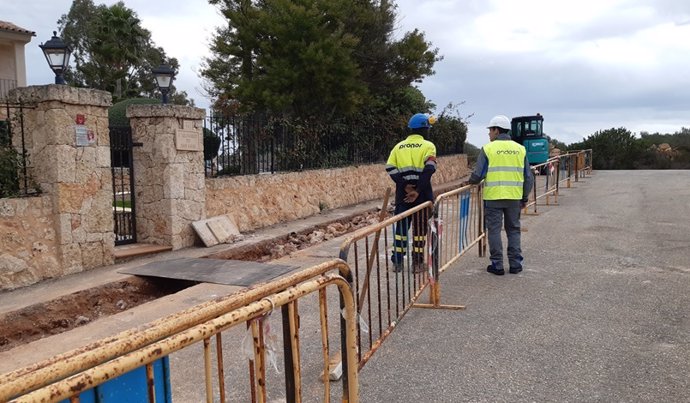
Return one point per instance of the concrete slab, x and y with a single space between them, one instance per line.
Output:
228 272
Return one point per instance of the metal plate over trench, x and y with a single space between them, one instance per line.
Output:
218 271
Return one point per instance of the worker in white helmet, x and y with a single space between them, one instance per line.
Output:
508 180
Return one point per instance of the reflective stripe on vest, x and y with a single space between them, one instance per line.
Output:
505 175
410 156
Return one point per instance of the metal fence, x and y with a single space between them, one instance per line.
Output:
122 169
396 260
15 177
551 175
70 375
255 144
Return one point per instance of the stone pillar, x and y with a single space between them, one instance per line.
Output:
68 143
168 169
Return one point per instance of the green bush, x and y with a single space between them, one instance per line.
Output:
211 144
9 168
117 113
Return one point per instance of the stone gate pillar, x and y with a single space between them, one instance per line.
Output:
68 145
168 169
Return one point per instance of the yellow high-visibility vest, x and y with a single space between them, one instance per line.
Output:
505 175
409 157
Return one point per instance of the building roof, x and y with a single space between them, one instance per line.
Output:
8 26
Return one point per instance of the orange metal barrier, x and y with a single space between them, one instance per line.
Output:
546 182
69 374
549 176
385 291
459 225
433 236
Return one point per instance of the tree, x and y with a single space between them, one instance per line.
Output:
450 131
112 51
315 58
613 149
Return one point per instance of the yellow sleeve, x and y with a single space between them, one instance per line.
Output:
392 158
430 152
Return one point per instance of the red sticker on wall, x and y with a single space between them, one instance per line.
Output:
81 119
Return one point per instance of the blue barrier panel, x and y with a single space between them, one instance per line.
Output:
464 209
131 387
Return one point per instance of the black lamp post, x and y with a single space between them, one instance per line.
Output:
164 77
57 54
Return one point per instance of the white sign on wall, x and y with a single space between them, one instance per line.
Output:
84 136
188 137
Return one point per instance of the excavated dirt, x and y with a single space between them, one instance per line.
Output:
60 315
276 248
77 309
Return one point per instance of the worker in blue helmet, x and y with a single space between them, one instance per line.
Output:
411 164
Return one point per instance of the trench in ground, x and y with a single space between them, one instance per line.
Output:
77 309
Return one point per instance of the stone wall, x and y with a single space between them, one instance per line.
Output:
256 201
168 171
28 242
73 173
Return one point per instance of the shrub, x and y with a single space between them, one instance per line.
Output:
9 168
117 113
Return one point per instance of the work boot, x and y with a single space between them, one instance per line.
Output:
515 270
418 263
398 267
493 270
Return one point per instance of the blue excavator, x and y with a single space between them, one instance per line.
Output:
529 131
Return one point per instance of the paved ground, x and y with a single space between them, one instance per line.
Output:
599 314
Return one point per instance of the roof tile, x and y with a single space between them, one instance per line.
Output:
8 26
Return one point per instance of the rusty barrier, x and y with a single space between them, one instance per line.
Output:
395 260
559 170
388 262
585 162
458 225
68 375
580 164
546 184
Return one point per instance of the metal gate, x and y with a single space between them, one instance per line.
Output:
15 178
123 184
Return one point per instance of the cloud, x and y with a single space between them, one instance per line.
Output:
586 66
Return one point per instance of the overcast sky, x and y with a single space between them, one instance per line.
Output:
585 65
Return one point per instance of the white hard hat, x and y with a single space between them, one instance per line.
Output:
501 121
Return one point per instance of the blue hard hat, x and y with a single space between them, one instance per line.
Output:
418 121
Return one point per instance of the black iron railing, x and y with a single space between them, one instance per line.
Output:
246 145
15 179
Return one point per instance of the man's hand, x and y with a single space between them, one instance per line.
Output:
411 193
523 204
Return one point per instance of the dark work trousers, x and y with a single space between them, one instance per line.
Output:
419 222
494 216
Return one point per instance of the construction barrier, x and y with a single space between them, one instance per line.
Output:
458 225
394 261
74 375
549 176
385 291
546 183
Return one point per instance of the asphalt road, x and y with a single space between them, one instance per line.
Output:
600 313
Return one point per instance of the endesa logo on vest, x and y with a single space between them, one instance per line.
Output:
508 152
409 146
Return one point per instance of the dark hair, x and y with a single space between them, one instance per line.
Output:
502 130
423 131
